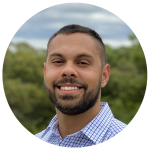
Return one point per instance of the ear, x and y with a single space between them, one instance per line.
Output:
105 75
44 68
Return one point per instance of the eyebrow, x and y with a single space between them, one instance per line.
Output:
84 55
56 54
77 56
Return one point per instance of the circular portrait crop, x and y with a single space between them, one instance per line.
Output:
74 75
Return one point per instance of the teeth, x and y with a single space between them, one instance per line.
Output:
69 88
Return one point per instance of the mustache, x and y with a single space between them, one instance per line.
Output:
70 80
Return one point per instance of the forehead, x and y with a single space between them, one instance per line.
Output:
73 43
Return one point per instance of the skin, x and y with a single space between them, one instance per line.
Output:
75 56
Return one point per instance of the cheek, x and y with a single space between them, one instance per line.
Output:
50 76
91 78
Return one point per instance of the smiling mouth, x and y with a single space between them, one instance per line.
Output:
69 88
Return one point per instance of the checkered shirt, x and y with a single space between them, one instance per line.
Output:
103 127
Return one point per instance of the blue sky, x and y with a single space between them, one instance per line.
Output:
39 28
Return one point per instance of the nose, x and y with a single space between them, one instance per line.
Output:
69 71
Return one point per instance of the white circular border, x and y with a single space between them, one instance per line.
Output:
134 13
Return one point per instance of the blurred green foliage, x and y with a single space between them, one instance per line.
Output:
25 92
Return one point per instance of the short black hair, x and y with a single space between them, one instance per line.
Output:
73 28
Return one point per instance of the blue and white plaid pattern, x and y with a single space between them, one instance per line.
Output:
103 127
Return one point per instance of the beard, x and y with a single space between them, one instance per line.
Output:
87 100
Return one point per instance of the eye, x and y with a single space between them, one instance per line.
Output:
83 63
57 62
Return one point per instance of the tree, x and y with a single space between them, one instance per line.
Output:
24 84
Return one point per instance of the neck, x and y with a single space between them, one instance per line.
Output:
72 124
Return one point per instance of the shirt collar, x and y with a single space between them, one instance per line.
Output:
95 130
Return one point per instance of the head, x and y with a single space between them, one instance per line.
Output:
80 29
75 69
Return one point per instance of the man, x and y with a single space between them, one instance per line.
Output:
74 72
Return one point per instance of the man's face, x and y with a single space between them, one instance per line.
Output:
73 72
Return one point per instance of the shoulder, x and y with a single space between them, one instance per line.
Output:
40 134
115 127
52 127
